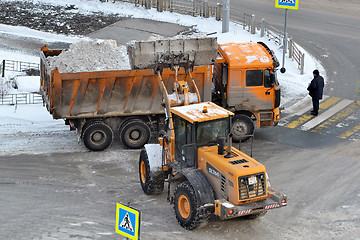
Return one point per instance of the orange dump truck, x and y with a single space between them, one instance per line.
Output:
97 104
129 102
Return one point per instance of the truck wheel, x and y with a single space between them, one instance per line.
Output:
187 208
242 128
135 134
149 185
97 136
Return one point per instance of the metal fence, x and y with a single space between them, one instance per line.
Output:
18 66
22 98
203 9
187 7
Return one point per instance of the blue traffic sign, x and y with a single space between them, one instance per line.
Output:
287 4
127 221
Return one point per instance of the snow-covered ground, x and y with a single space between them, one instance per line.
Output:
37 119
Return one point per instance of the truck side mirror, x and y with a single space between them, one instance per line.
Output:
272 78
269 81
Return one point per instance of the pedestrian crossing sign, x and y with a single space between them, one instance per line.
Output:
287 4
127 221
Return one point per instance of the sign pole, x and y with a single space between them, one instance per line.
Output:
286 4
283 70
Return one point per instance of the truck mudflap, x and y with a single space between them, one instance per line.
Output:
227 210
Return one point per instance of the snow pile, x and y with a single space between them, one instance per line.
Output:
90 56
28 83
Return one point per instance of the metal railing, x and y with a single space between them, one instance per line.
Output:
21 98
18 66
203 9
187 7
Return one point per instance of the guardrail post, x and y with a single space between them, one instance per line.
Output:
160 5
3 68
252 24
205 9
218 11
226 16
357 92
302 63
147 4
262 27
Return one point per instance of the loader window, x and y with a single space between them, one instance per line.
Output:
208 132
254 78
182 129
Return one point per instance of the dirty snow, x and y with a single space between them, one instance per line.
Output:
89 56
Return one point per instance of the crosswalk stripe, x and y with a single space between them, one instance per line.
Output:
350 132
326 115
341 115
304 118
306 106
329 102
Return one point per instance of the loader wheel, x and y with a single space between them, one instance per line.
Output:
135 134
97 136
150 185
187 208
242 128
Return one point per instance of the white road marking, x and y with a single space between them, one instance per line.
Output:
304 106
326 115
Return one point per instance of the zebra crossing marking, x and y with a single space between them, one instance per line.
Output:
332 110
326 115
350 132
341 115
304 118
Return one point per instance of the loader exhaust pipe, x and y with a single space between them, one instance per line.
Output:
229 154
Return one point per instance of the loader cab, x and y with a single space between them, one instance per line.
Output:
198 125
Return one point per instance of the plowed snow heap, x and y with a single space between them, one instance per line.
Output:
90 56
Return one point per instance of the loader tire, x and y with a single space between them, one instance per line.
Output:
97 136
135 134
149 185
186 207
242 128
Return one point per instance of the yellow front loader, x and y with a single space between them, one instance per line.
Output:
205 175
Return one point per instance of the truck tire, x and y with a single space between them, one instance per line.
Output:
186 207
97 136
135 134
149 185
242 128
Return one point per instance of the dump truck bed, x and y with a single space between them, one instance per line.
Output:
110 93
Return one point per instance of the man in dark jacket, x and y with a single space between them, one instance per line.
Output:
316 91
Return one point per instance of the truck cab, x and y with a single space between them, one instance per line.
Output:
245 83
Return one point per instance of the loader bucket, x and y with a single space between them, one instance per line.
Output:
159 54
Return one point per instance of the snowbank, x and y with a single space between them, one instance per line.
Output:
89 56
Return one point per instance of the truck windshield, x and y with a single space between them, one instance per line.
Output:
208 132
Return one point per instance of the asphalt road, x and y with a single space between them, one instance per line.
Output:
73 196
331 38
